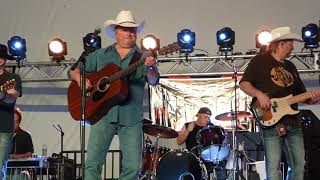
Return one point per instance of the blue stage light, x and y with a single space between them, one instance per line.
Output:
17 47
91 42
225 39
186 40
310 36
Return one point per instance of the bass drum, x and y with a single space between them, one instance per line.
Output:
180 165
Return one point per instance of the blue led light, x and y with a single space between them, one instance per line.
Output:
17 47
186 40
310 36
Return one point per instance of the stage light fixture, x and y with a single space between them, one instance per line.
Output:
310 36
17 47
150 42
57 49
91 42
225 39
186 41
263 38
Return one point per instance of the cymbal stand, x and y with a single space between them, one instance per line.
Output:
151 174
235 168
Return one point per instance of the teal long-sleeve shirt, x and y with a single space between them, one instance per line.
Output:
128 113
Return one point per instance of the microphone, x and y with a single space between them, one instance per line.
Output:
96 31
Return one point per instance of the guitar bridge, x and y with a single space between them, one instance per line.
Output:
97 95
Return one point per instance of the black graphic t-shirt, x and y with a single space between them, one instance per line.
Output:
7 109
273 78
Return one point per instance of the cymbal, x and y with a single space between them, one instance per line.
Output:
228 116
146 121
161 131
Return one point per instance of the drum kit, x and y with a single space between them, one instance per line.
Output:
163 163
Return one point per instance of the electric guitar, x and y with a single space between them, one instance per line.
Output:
108 89
279 108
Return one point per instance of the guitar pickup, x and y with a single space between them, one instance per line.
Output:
274 107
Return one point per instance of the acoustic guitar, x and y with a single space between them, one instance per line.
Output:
109 89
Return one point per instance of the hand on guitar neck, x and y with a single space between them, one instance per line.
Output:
315 96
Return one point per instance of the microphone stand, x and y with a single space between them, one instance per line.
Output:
234 113
82 61
61 174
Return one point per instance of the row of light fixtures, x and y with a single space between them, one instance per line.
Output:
57 48
186 40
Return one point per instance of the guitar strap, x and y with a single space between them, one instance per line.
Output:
136 56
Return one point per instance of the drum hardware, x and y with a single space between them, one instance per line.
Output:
158 132
235 114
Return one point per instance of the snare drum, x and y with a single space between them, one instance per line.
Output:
211 138
180 164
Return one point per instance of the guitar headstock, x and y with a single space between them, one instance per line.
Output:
173 47
8 85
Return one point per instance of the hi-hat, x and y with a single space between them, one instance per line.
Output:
228 116
159 131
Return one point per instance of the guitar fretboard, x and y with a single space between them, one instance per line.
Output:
124 72
299 98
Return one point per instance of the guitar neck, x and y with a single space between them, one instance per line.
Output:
127 71
299 98
162 51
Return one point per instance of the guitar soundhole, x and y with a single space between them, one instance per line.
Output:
103 84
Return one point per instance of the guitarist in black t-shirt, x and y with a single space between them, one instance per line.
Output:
270 79
10 89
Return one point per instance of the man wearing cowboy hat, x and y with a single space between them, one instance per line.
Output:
270 75
124 119
10 89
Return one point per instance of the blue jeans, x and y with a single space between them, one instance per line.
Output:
130 140
5 143
293 148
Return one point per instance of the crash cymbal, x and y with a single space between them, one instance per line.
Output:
161 131
146 121
229 115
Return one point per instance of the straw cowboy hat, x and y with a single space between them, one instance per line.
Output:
283 33
125 19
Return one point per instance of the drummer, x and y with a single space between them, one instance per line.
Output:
188 135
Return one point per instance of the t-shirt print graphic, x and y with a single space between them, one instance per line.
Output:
281 77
